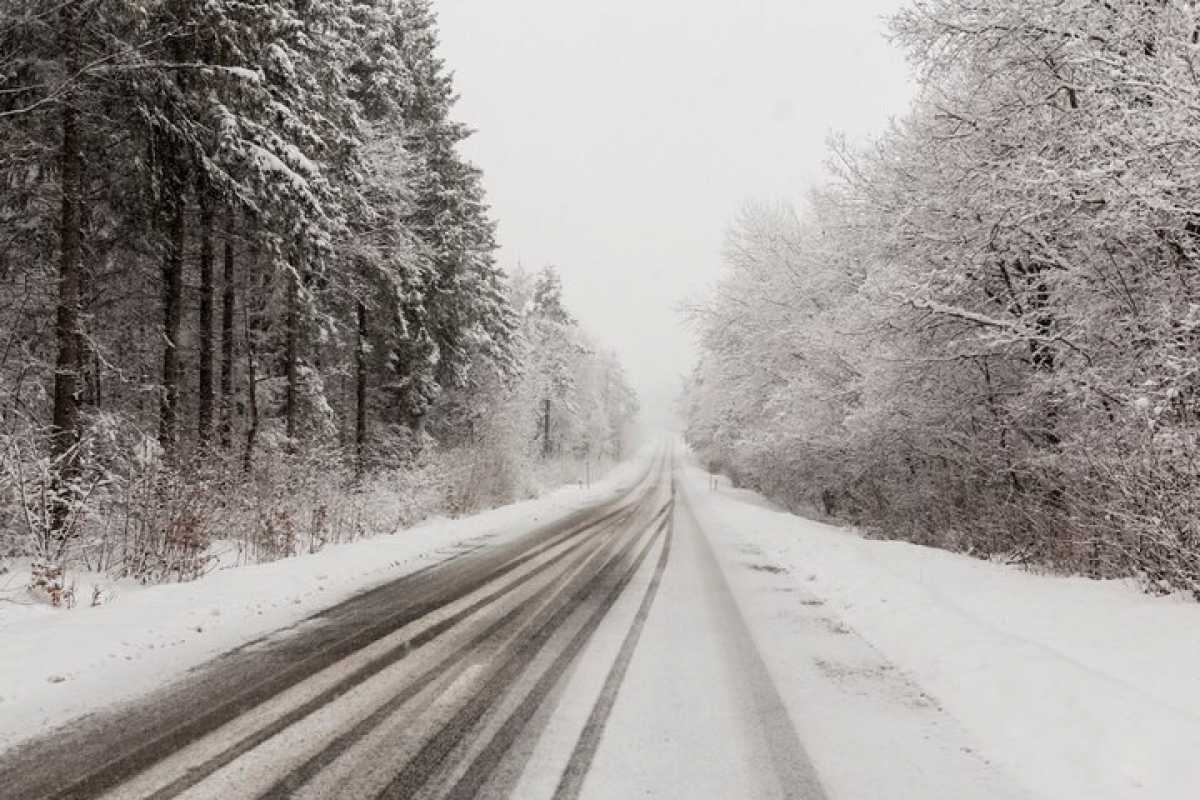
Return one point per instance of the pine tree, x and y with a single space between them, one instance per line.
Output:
247 225
463 296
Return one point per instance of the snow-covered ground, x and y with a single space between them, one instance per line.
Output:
1072 688
56 664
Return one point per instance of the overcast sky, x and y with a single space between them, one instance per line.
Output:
618 139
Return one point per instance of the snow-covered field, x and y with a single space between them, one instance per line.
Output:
1074 688
57 664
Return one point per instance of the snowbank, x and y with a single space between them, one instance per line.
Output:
1077 688
57 664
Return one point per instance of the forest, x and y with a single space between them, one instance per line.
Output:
982 332
250 294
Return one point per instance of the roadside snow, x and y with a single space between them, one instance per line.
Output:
1075 688
57 664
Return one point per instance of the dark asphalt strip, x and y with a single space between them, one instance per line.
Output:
311 768
394 655
266 639
420 769
571 782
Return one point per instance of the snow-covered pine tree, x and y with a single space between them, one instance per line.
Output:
463 311
283 178
556 348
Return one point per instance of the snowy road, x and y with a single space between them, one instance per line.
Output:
622 650
601 656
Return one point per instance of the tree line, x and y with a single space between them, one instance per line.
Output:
237 238
983 333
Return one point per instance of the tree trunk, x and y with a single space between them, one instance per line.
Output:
546 429
89 356
65 422
291 352
227 311
251 330
252 401
204 410
360 369
1040 350
172 300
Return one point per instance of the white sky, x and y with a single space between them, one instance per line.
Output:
619 138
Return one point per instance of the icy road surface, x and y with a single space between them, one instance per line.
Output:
605 655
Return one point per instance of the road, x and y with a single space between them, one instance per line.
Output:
602 655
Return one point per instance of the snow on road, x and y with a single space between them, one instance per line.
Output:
917 673
894 671
57 664
698 715
670 698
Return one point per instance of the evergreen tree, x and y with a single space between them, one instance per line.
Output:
231 222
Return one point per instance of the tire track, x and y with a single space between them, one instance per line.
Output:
113 773
286 786
420 769
571 783
796 776
63 764
393 656
484 765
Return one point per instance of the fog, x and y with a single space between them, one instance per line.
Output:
618 140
